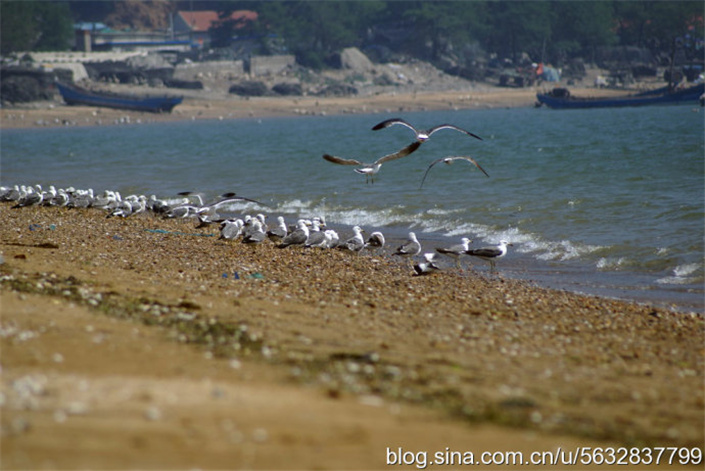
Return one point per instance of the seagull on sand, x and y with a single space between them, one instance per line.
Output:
409 248
456 251
333 238
371 169
298 236
230 229
32 197
375 241
491 254
356 243
316 237
280 231
427 267
421 135
450 160
256 234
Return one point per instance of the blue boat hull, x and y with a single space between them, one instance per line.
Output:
73 95
689 95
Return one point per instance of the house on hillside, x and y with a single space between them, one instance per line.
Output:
193 26
91 37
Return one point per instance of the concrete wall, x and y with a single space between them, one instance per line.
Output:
198 70
270 65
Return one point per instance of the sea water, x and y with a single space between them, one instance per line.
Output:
601 201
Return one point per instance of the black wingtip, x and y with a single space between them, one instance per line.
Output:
384 124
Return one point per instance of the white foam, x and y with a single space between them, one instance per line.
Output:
681 275
605 263
687 269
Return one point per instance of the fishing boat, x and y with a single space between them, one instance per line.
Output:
560 98
74 95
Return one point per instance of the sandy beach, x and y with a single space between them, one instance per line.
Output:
220 105
147 343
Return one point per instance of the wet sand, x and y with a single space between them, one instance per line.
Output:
132 343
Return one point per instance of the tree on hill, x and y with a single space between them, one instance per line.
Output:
519 27
35 26
656 25
579 28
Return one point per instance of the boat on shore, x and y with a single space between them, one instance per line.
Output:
560 98
74 95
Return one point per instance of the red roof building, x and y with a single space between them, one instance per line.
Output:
194 25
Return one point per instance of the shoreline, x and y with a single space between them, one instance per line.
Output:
217 106
204 106
345 331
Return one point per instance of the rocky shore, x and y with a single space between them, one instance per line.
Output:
147 343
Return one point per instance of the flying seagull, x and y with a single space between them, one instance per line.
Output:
371 169
491 253
421 135
450 160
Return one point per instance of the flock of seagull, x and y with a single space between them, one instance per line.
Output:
412 247
308 233
372 168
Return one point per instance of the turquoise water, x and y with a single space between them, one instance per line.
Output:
609 202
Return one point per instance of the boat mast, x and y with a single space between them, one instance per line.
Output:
673 60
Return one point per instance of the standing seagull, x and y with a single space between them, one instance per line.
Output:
421 135
256 234
427 267
371 169
298 237
456 251
409 248
450 160
230 229
279 232
375 241
316 237
491 253
356 243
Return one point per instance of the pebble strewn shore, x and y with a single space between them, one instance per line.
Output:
481 348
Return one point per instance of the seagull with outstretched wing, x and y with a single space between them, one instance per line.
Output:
450 160
371 169
421 135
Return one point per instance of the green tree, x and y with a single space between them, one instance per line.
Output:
29 26
579 28
519 27
313 30
55 26
441 27
18 31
